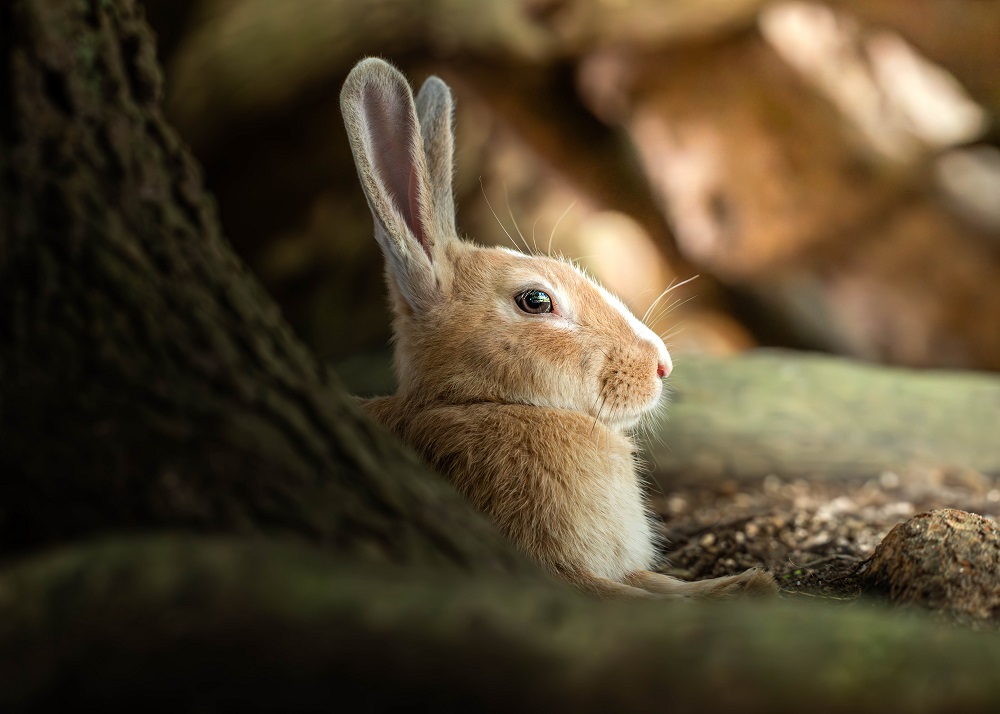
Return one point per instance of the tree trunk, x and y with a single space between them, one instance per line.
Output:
147 380
147 383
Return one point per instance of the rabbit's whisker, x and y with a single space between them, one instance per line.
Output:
651 484
673 331
656 302
664 311
506 199
556 225
499 222
604 401
669 288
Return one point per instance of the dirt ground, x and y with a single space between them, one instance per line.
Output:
812 535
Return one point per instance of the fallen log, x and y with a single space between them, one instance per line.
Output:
182 623
794 414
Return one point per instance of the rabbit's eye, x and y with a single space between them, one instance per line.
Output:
534 302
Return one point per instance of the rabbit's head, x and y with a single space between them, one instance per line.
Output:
476 324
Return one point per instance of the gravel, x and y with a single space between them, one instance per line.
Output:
810 534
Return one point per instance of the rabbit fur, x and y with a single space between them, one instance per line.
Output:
529 415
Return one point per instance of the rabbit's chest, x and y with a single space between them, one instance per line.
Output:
613 533
563 490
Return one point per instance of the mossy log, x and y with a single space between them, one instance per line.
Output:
805 415
180 623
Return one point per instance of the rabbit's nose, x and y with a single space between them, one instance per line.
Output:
662 370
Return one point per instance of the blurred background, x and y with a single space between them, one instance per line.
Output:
830 171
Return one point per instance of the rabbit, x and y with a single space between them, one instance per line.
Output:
520 378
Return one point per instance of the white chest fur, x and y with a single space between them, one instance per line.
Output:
612 528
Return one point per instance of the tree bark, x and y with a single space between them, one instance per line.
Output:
147 380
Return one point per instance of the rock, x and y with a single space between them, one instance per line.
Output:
946 560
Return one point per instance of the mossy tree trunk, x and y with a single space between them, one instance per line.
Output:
147 380
147 384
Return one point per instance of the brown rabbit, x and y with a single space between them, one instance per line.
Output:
519 378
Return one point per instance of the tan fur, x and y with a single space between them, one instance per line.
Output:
528 415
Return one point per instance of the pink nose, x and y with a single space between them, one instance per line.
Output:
662 371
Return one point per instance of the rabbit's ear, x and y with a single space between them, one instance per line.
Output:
388 148
434 108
